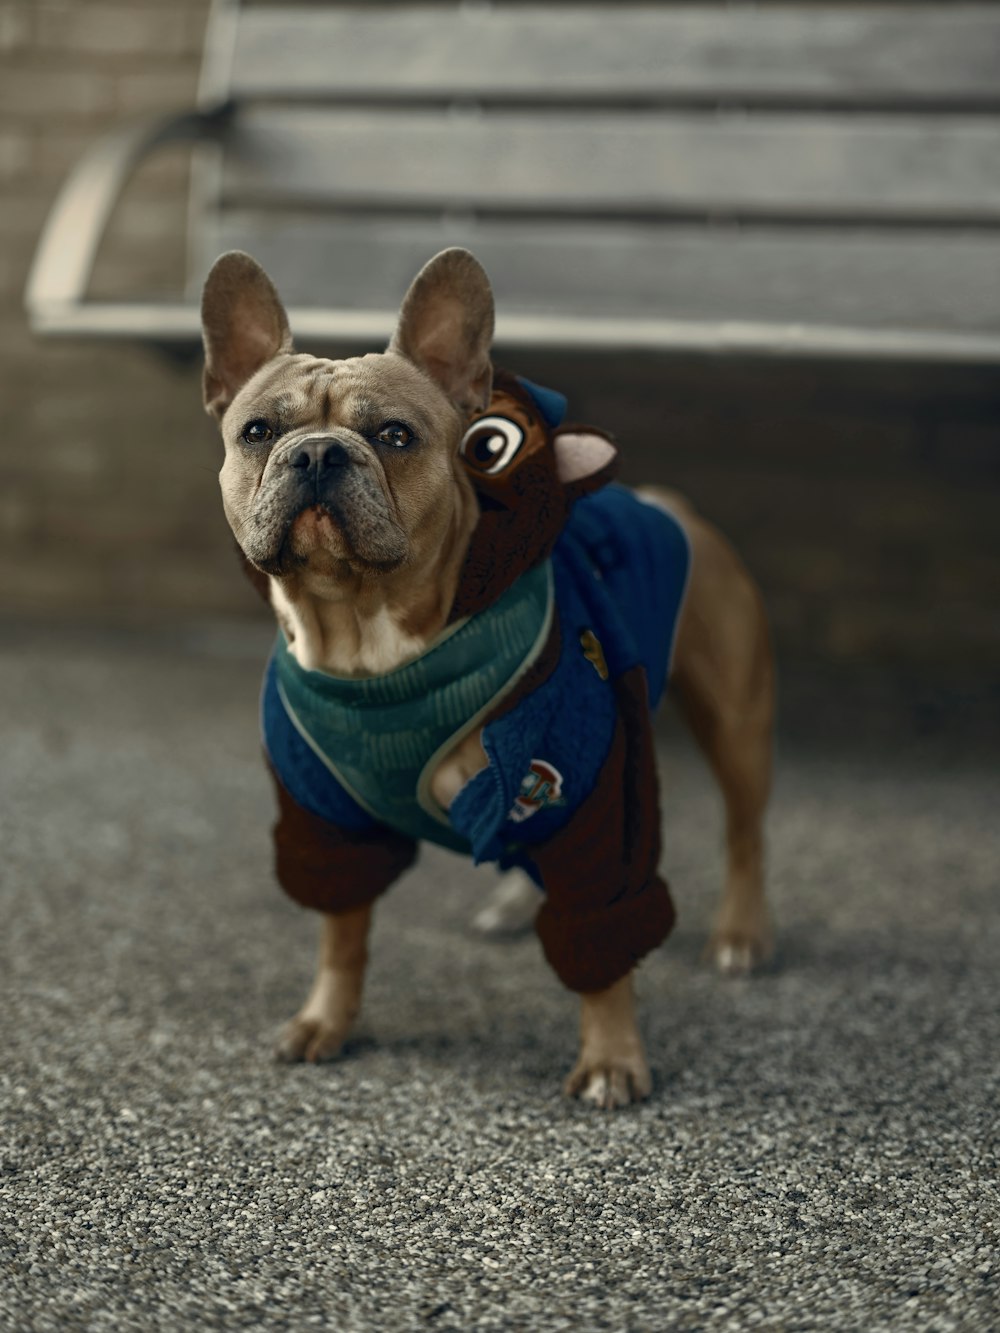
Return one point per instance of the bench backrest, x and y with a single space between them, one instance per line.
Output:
831 165
788 177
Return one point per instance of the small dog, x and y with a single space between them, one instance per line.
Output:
474 627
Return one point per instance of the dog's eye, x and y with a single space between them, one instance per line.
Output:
258 432
394 433
490 443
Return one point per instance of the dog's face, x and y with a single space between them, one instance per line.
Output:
334 461
335 468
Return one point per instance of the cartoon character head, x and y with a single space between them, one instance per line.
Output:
528 469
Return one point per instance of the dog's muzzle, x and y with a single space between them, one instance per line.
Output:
336 474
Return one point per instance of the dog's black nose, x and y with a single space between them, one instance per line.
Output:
319 453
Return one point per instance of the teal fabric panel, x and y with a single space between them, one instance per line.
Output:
377 734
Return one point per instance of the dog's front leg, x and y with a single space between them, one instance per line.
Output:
318 1030
611 1070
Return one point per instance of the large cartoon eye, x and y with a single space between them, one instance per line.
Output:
491 442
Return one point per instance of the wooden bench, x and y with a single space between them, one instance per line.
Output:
819 180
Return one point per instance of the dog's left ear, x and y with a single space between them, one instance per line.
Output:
243 325
446 327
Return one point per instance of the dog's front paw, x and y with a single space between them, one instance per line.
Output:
309 1038
319 1029
610 1083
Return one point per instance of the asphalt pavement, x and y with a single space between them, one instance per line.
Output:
820 1150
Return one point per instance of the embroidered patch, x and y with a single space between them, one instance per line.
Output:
541 786
594 653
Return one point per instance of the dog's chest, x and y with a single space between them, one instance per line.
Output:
371 646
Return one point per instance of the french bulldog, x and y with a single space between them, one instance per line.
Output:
409 563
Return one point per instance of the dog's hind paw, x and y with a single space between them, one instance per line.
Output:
512 907
737 955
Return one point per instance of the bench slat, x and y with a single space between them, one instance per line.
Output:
832 55
944 281
873 168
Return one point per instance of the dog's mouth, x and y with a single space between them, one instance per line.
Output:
314 527
324 535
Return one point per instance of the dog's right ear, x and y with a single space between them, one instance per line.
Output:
243 326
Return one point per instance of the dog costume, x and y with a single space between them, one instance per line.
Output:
559 647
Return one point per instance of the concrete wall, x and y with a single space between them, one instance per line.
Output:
865 500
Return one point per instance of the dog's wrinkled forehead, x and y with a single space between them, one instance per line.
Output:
299 392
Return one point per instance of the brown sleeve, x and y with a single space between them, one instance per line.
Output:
329 868
605 905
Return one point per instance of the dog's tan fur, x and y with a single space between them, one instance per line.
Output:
361 596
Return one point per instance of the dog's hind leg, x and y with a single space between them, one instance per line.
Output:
318 1030
723 676
737 742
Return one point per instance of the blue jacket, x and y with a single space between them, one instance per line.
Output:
616 578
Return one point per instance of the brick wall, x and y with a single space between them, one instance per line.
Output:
110 503
865 500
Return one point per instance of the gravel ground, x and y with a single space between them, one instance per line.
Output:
820 1151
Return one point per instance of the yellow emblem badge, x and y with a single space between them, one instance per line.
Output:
594 653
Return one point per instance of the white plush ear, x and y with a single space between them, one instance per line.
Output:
446 327
581 454
243 325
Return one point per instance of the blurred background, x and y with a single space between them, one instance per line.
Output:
862 495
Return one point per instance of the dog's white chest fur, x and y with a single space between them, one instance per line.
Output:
329 640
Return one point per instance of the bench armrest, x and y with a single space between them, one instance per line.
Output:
60 271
